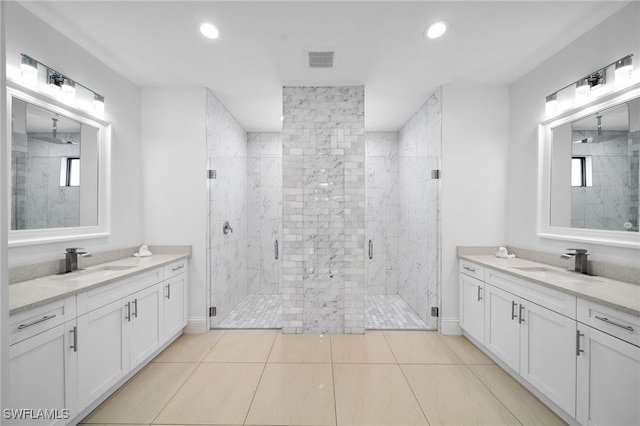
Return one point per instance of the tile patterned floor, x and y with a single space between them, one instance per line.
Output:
383 312
264 377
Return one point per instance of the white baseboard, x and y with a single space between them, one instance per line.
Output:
196 326
450 327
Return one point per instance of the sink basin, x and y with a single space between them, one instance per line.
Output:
566 277
97 273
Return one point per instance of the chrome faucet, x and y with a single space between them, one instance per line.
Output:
71 258
580 255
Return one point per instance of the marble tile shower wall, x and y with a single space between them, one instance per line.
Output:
607 203
38 200
323 157
419 245
382 211
264 212
227 154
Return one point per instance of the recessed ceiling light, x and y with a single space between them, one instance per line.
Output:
209 31
435 30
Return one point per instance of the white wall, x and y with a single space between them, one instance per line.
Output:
474 170
25 33
174 160
4 222
614 38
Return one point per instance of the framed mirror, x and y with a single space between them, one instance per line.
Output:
589 172
59 171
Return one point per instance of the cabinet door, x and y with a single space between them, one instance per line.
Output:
146 323
41 376
548 354
103 350
501 326
472 307
175 312
608 380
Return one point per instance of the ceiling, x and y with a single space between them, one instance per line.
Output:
378 44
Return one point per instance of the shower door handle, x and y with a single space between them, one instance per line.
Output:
276 249
370 249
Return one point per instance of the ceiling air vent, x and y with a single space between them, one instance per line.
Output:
321 59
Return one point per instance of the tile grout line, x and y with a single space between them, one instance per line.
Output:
264 367
199 363
406 380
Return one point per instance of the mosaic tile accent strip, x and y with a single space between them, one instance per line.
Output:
255 311
390 312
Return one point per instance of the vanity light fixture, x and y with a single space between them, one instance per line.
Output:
29 70
57 80
209 31
435 30
624 70
585 86
551 104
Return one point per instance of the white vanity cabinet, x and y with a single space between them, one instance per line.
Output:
472 299
43 364
175 297
536 342
608 369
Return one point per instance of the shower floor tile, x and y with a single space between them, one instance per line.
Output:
390 312
383 312
255 311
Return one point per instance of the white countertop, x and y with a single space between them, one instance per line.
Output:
616 294
26 295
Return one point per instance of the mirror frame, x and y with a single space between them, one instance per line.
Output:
545 140
50 235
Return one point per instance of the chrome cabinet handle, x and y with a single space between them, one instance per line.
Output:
74 346
276 249
38 321
479 297
608 321
468 268
128 316
177 268
168 291
521 319
135 305
578 350
513 310
370 249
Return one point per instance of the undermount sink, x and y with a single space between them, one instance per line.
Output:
566 277
102 272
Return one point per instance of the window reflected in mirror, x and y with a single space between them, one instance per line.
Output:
595 170
54 169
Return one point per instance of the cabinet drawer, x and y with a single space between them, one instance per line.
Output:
175 268
103 295
611 321
34 321
471 269
554 300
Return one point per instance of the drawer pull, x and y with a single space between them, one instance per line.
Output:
128 316
135 306
370 249
177 268
168 291
74 331
479 296
513 310
276 250
43 319
608 321
521 319
578 336
468 268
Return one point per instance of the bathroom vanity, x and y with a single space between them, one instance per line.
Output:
572 339
75 338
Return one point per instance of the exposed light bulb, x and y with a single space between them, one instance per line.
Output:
551 105
29 71
98 104
624 70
